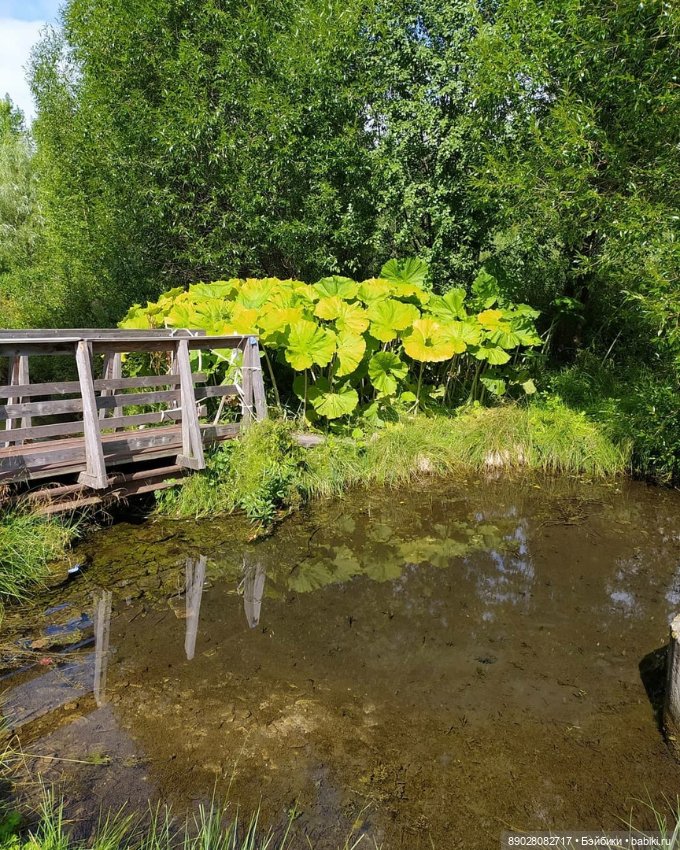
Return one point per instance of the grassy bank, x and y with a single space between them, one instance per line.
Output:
214 827
28 543
267 470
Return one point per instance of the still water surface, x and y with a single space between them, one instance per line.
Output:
441 663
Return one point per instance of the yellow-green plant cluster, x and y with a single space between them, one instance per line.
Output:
342 345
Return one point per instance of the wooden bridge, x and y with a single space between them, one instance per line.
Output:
102 436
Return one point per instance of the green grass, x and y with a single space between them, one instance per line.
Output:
28 543
214 827
266 470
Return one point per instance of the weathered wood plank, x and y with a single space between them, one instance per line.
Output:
215 391
94 474
94 333
113 371
73 387
18 376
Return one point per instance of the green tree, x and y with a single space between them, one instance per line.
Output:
20 221
182 140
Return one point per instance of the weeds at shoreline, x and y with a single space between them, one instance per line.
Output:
266 470
28 543
214 827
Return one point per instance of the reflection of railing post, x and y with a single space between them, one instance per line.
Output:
254 576
195 579
102 632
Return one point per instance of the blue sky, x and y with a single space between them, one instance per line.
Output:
20 25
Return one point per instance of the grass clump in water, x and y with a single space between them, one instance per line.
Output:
28 543
267 470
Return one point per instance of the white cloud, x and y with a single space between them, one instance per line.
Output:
16 40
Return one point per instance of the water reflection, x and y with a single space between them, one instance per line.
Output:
194 583
254 576
102 632
38 693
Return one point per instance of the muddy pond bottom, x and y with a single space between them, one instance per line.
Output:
428 666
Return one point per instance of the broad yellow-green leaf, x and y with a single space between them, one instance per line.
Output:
449 307
351 318
413 271
183 315
529 387
389 316
493 354
328 307
136 319
244 320
336 285
340 400
374 289
273 323
490 319
309 344
350 350
462 334
255 292
496 386
386 370
427 342
505 336
218 289
411 292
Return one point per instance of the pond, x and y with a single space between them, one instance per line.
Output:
432 665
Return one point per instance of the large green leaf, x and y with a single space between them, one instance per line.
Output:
449 307
463 334
374 289
496 386
389 316
412 271
137 318
340 400
493 354
386 370
309 344
345 287
350 350
328 307
485 289
256 292
427 342
351 318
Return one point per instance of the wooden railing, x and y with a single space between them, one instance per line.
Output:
82 426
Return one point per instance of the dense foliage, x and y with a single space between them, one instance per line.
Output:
206 139
348 345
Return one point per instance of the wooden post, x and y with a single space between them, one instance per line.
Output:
95 471
113 368
18 376
192 442
258 382
247 399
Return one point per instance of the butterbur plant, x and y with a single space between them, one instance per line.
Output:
341 347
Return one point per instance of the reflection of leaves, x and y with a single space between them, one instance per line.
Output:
380 532
310 575
383 569
346 564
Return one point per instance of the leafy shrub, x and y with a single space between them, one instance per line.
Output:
342 347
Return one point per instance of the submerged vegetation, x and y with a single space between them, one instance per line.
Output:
267 470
